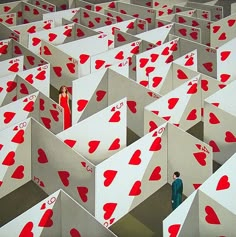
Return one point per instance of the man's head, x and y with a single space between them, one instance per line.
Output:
176 174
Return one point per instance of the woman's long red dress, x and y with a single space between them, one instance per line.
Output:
67 117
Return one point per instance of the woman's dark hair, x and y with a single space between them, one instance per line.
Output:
61 88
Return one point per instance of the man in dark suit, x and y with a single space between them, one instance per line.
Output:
177 190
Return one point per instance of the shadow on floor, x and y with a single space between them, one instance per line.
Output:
19 201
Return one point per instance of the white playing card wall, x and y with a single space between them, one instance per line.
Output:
15 153
218 134
51 217
87 137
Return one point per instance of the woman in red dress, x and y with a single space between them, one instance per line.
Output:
64 103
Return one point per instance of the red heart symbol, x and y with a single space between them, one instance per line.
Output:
83 58
136 189
213 119
223 183
100 95
143 62
144 83
183 32
69 142
83 193
42 156
48 25
115 145
165 51
30 59
9 159
19 137
52 37
80 33
181 75
229 137
99 63
192 115
154 57
149 20
14 67
32 29
112 5
63 7
27 8
156 145
170 59
86 15
24 89
41 76
231 22
91 25
109 209
115 117
149 4
160 13
192 89
46 51
27 230
160 24
109 176
64 176
18 173
132 106
172 102
222 36
214 146
7 8
97 19
35 41
83 164
208 66
174 230
204 85
120 55
74 233
67 33
29 107
215 29
29 78
120 38
9 21
71 67
98 8
93 145
221 86
200 157
135 159
81 104
118 19
57 71
211 216
224 77
17 50
224 55
189 62
41 104
46 220
156 81
3 49
155 174
46 122
130 25
194 35
181 20
35 12
152 125
195 23
54 114
11 85
149 70
8 116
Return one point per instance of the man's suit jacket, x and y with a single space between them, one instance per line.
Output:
177 190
